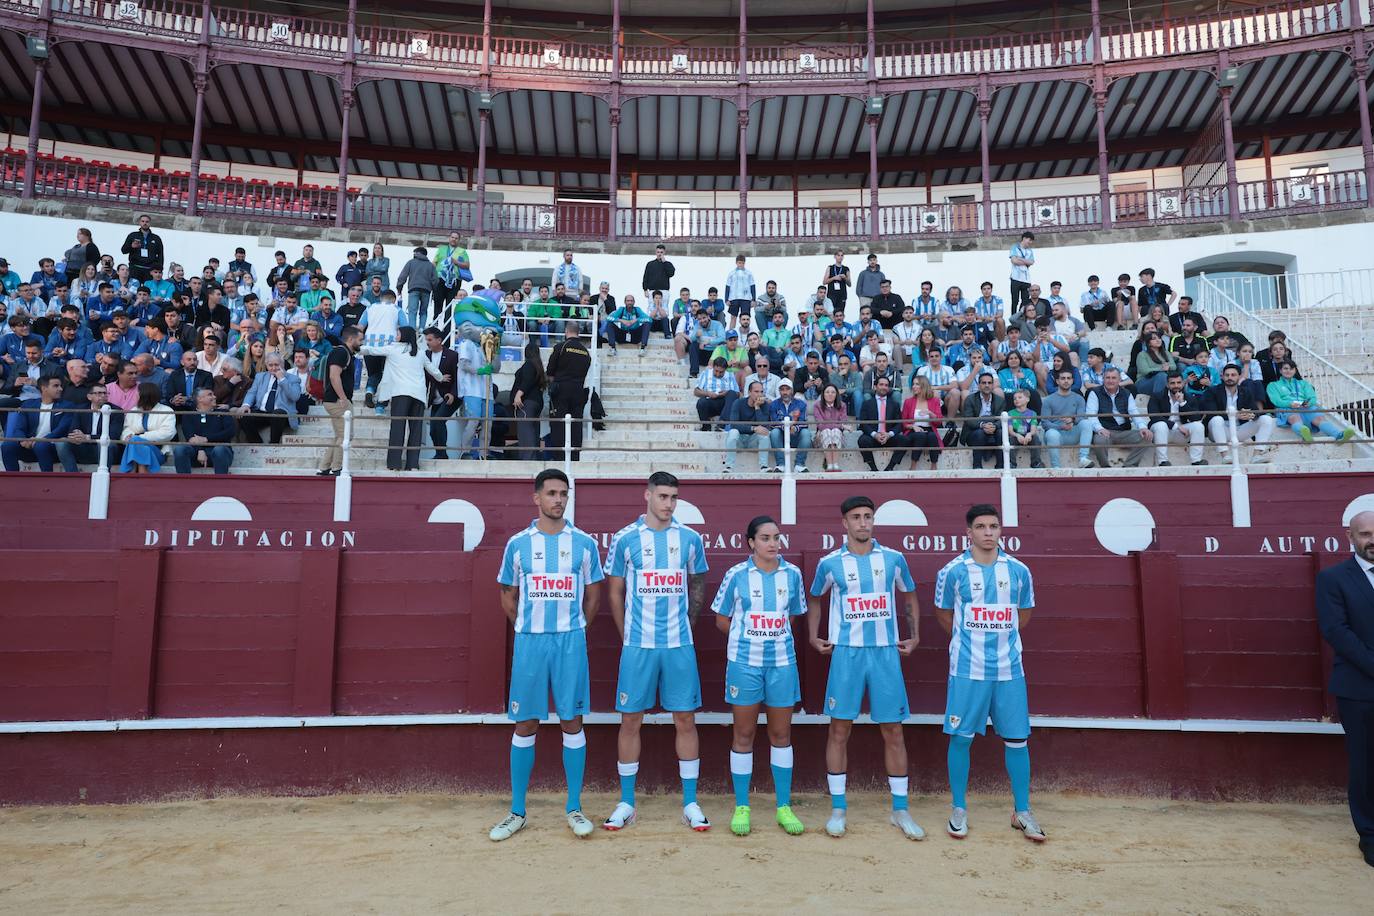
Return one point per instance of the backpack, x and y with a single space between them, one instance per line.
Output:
319 375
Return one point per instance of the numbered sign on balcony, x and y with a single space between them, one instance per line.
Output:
679 63
930 220
806 61
280 32
1301 192
553 56
419 46
128 10
1046 214
546 221
1168 205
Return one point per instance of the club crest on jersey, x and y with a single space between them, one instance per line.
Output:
1002 584
672 551
564 554
734 691
832 702
514 706
954 721
624 698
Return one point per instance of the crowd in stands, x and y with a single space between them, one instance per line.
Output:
193 365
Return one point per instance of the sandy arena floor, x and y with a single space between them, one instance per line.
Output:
429 854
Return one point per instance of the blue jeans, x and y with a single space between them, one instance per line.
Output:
417 299
1152 384
735 440
801 442
221 456
1081 433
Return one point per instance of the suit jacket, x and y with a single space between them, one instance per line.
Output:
868 415
288 392
968 413
1345 612
17 377
176 384
1213 401
1159 409
23 424
216 426
448 365
86 422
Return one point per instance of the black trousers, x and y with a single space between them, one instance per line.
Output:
926 439
407 429
898 442
527 427
376 365
1357 716
438 425
1020 292
985 446
252 426
566 399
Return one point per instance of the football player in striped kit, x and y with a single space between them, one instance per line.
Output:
983 599
754 607
656 567
549 589
861 578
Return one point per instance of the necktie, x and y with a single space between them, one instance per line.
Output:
271 403
95 427
190 383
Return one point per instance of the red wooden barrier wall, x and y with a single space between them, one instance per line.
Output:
144 633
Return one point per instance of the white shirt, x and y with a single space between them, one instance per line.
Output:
44 421
405 374
470 359
210 367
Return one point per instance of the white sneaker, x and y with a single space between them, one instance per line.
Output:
958 823
623 816
799 469
1025 822
1085 462
903 821
836 825
581 827
1262 454
1225 452
508 828
694 817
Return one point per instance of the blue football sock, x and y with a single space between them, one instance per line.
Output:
574 765
835 782
741 769
781 760
628 772
521 766
689 770
899 784
1018 768
958 768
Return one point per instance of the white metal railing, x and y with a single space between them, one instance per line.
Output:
1331 311
1334 386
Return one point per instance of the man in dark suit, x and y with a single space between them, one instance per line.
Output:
1251 420
1345 611
208 433
442 396
32 432
982 425
179 390
82 443
880 426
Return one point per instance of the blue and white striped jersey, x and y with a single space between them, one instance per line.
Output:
759 604
655 566
986 642
863 610
552 572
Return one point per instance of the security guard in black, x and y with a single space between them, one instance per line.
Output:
568 366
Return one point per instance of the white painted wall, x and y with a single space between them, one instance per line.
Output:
27 238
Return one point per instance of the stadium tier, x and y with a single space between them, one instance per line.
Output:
297 305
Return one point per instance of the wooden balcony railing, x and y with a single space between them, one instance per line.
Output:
590 58
123 185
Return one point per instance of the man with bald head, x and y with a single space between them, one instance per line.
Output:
1345 611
